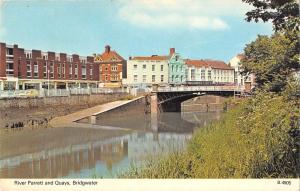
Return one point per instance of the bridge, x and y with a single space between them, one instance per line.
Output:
169 99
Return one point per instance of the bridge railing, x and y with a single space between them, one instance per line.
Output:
198 88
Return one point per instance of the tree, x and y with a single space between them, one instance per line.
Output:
284 14
272 60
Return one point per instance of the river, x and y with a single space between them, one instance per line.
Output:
87 153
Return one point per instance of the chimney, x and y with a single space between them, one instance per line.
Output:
107 49
172 51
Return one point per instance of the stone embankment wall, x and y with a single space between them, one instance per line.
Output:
37 112
204 103
59 101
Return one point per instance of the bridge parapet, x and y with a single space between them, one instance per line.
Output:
199 88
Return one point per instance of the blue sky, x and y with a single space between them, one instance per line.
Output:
198 29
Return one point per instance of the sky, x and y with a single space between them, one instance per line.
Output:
197 29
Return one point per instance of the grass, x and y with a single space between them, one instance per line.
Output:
255 139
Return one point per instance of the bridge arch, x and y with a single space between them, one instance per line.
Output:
171 101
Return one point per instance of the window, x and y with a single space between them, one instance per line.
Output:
106 67
63 70
181 78
35 70
186 73
70 70
144 78
9 51
83 71
153 77
9 68
70 59
114 77
161 67
45 70
176 68
76 71
176 58
172 68
59 70
28 69
135 78
106 78
202 74
114 67
135 66
91 72
144 66
45 57
162 78
153 67
209 74
28 55
51 69
172 78
192 74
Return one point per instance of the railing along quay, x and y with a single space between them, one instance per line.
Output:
57 92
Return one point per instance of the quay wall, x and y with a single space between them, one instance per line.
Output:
16 113
59 101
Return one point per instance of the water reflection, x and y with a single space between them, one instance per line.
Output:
104 157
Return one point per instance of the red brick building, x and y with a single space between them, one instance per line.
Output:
34 69
112 68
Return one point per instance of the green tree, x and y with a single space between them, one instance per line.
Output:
272 59
284 14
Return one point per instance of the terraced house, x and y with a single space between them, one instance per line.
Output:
177 68
35 69
207 72
144 71
112 68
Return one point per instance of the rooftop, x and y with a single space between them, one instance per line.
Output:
216 64
153 57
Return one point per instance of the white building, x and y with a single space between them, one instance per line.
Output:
143 71
208 72
246 82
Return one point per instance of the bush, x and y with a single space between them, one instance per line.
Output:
256 139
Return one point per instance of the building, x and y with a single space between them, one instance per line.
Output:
144 71
206 72
112 68
245 82
177 68
35 69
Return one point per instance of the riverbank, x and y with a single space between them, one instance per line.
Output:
255 139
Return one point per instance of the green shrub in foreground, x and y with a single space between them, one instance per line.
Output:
253 140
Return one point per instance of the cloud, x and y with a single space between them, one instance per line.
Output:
2 28
190 14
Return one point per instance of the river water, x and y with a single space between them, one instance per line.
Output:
87 153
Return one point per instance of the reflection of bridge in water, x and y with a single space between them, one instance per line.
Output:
61 162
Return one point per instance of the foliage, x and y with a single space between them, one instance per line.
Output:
284 14
273 60
255 139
